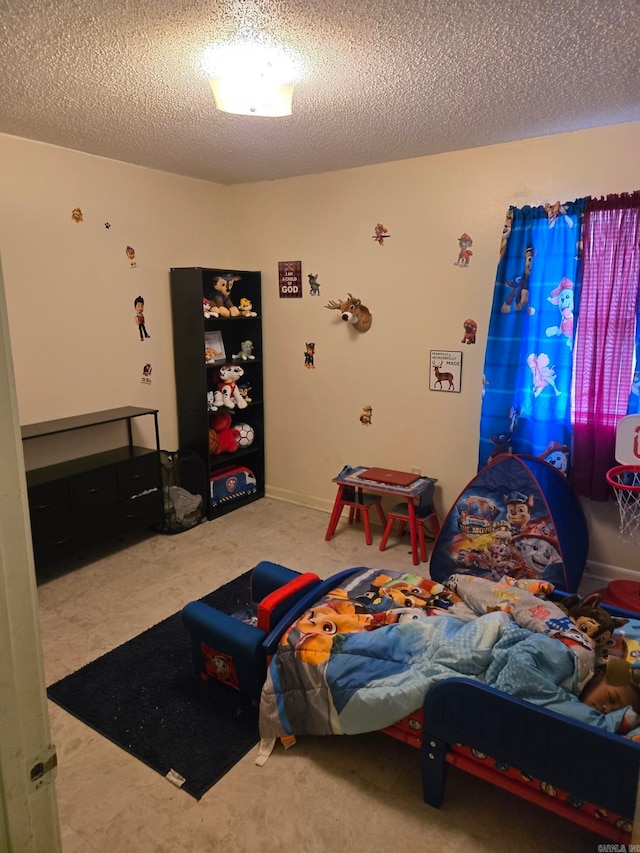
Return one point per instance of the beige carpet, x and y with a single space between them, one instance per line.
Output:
324 794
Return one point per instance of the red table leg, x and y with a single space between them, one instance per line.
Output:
413 530
335 514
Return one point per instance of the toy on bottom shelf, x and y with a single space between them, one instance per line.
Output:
227 436
228 393
232 484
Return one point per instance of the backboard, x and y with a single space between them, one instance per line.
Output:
628 440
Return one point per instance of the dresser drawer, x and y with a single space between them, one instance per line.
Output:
65 538
94 489
132 514
138 475
49 503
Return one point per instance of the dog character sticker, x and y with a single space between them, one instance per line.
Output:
314 285
470 329
131 254
465 243
381 233
309 355
138 304
76 215
367 415
146 374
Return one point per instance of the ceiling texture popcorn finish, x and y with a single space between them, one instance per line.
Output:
383 79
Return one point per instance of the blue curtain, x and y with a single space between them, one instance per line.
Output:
526 405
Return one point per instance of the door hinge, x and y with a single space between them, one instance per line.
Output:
42 770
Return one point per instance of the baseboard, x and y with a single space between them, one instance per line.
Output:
605 573
300 500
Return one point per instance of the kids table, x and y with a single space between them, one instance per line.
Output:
352 489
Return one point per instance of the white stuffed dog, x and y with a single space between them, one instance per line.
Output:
228 393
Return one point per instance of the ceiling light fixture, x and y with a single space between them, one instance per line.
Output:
251 78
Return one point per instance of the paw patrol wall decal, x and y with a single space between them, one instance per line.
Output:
76 215
309 355
146 374
314 285
366 417
352 311
470 329
131 254
465 243
381 233
138 304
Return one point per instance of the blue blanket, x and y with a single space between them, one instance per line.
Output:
365 657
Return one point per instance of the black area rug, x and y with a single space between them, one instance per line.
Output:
143 697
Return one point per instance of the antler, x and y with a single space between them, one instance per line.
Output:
333 304
353 299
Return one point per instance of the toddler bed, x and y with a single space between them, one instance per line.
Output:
481 692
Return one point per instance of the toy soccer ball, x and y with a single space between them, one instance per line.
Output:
246 434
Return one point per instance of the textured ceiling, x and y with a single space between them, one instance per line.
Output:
385 79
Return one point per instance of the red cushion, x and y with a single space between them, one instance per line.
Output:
272 608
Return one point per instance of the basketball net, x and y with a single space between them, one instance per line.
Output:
625 481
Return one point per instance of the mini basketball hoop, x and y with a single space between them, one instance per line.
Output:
625 481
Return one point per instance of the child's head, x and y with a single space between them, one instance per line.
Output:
606 697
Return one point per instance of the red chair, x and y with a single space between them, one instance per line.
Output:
424 514
359 504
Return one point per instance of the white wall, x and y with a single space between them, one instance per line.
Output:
70 287
70 294
418 298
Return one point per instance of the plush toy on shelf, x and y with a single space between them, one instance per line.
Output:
246 352
228 393
226 440
246 308
222 304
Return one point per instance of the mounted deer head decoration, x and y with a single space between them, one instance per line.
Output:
354 312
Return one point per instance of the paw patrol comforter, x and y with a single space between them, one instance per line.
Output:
365 655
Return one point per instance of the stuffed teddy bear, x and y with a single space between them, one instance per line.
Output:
228 393
227 436
222 304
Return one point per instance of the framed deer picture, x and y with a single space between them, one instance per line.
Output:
446 370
